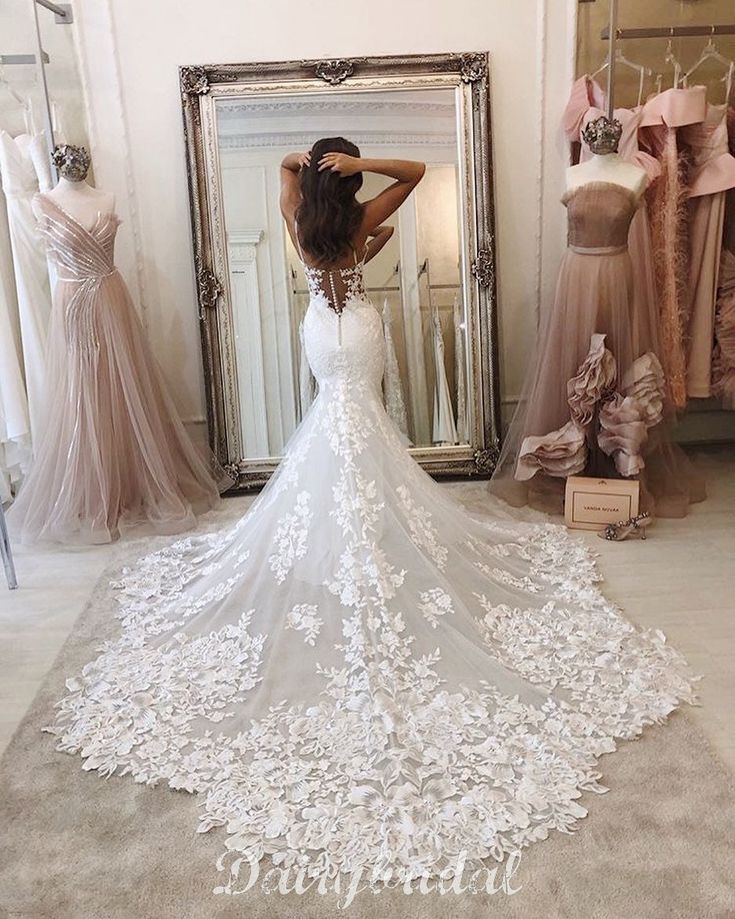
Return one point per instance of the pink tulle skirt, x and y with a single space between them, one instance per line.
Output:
115 453
597 294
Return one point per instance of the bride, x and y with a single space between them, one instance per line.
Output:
359 675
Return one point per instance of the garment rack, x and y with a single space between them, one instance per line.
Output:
10 59
62 12
305 290
673 32
611 34
424 269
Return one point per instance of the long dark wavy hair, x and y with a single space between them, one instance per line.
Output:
329 213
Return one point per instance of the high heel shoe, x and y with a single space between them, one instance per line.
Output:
634 526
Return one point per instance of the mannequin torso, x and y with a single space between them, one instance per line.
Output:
81 201
608 167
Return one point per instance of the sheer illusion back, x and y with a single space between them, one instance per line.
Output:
343 331
336 285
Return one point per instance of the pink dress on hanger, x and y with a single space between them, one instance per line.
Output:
662 118
711 175
723 359
115 452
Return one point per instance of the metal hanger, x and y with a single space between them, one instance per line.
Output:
669 58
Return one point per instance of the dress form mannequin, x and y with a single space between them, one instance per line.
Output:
114 453
606 164
73 193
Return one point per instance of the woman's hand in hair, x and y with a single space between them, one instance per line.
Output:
342 163
294 162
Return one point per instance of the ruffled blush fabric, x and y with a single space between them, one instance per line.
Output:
561 453
595 377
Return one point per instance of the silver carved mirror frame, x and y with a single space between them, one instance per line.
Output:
201 87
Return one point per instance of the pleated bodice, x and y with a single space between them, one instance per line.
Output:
599 216
78 253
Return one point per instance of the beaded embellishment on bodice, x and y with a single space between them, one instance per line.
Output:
339 302
79 253
349 284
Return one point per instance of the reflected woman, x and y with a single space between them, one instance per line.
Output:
326 222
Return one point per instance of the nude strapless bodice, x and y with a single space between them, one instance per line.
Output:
712 167
676 107
599 216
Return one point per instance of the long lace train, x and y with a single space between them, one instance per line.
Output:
360 675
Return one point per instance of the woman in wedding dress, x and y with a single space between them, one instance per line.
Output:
359 675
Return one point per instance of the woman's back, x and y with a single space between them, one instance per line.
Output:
338 283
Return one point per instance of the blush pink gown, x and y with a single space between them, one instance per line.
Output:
587 102
723 358
115 452
594 402
712 174
663 118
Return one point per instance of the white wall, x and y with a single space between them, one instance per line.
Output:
131 52
18 36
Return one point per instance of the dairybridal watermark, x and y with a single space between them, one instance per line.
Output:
456 879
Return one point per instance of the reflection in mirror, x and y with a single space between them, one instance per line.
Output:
414 281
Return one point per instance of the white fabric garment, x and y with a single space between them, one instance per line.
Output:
359 674
463 424
307 383
20 183
15 429
395 404
444 430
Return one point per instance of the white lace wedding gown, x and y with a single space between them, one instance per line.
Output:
22 162
359 674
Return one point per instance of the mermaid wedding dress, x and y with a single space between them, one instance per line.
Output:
358 674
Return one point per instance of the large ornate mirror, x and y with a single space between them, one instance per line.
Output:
434 282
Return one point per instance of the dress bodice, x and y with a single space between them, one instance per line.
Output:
78 253
712 165
599 216
343 332
336 286
345 345
675 107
